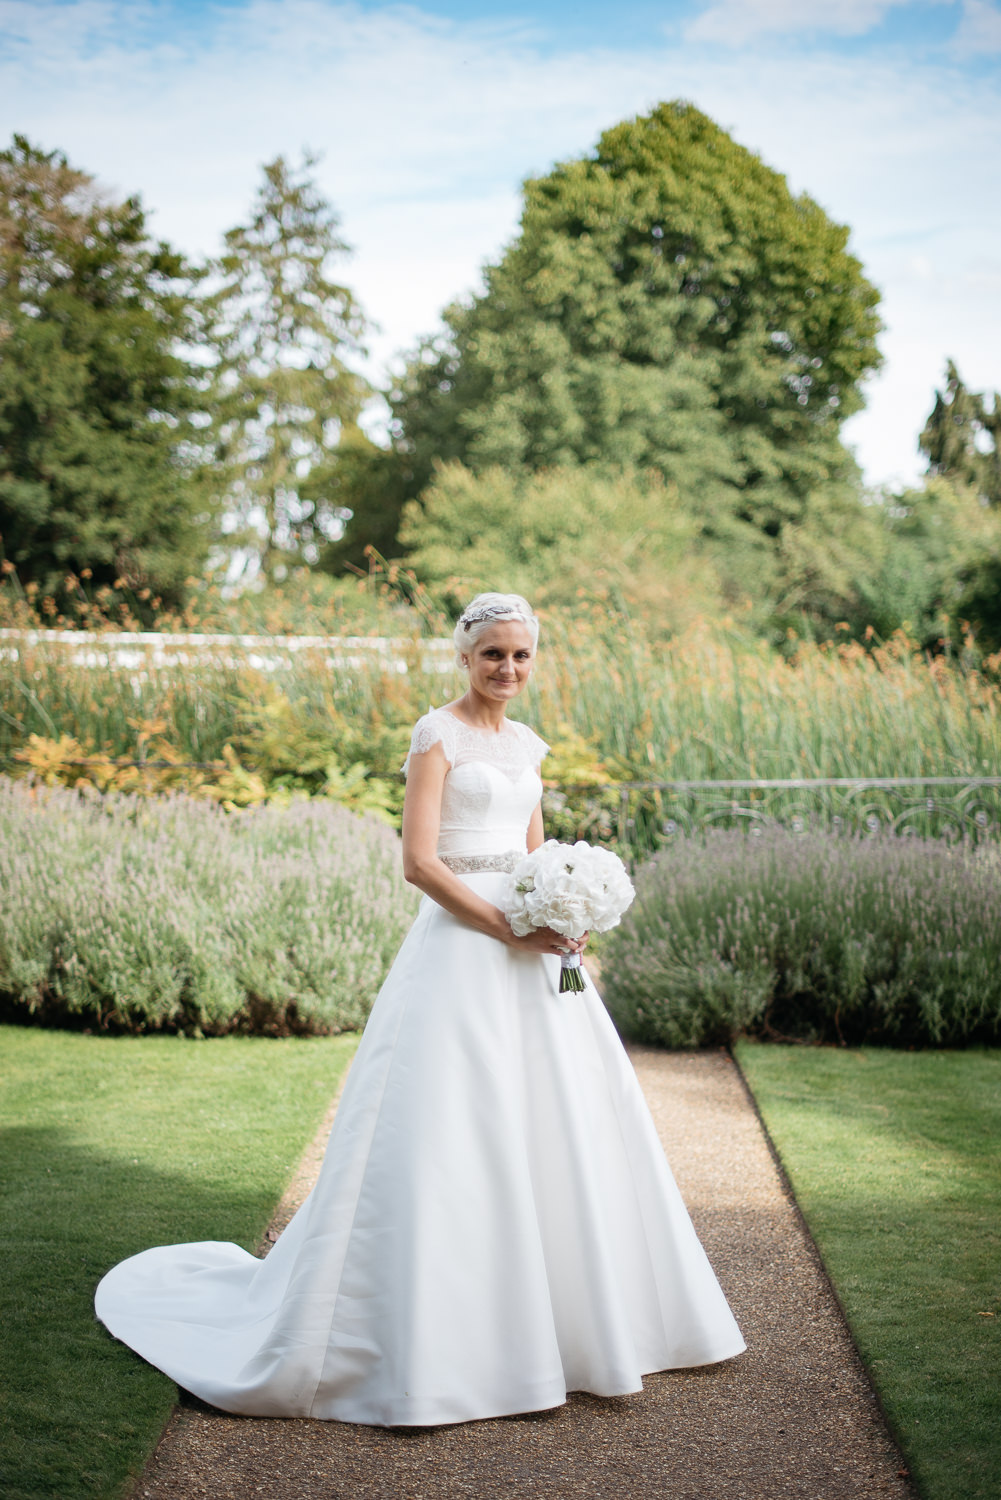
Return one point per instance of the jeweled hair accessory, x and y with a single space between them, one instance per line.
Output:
479 612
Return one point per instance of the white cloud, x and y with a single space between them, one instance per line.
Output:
736 22
979 31
428 127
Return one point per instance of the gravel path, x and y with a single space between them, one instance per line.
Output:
792 1419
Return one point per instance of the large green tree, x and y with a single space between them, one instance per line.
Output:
284 330
667 304
100 442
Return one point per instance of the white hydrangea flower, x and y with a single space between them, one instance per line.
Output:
572 888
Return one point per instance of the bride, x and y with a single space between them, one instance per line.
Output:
494 1224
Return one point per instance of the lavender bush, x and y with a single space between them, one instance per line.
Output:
168 913
814 937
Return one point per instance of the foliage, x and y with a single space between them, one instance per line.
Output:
555 535
668 304
715 704
897 562
369 486
299 747
65 762
617 704
925 567
223 730
813 937
962 438
136 913
893 1159
113 1145
101 445
385 600
285 393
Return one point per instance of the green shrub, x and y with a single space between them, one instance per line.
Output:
812 937
141 913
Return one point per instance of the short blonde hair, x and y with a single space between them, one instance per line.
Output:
491 609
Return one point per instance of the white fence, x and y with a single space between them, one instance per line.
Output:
136 651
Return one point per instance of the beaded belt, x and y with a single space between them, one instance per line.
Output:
474 864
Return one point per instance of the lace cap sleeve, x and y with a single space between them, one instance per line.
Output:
536 747
431 729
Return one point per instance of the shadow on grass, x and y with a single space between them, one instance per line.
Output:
81 1411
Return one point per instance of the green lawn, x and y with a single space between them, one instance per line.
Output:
114 1144
111 1145
895 1159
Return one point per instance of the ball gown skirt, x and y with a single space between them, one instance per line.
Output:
494 1225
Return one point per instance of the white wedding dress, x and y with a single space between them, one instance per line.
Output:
495 1223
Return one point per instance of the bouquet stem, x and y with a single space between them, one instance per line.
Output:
571 975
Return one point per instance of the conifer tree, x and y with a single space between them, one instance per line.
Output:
962 438
286 395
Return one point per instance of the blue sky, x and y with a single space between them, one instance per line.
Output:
553 26
430 115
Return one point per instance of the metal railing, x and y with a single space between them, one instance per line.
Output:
642 816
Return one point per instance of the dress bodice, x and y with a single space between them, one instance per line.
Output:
492 784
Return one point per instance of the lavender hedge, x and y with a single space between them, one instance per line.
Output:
140 913
813 937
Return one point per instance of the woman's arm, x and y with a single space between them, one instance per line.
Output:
421 865
423 868
536 832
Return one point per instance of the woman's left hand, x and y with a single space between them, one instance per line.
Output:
545 940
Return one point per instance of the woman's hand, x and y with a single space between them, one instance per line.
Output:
545 940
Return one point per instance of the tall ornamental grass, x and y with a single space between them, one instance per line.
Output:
811 937
615 704
145 914
713 703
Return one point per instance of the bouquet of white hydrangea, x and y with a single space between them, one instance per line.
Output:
572 888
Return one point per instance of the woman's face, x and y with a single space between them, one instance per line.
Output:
500 663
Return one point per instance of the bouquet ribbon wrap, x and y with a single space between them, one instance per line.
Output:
571 977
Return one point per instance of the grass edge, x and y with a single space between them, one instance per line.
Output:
817 1255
